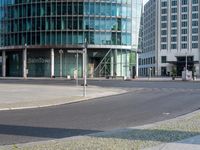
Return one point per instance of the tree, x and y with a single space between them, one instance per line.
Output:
174 72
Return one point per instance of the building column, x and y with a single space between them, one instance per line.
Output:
115 63
52 63
111 64
25 63
4 63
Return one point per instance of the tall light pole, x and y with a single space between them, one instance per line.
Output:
25 61
77 68
85 68
61 52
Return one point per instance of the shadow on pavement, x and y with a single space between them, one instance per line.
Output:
165 136
42 132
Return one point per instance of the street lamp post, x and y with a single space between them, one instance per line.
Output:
85 68
61 52
77 68
25 61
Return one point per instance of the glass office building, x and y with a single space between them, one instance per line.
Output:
36 36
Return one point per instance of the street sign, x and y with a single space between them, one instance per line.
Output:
74 51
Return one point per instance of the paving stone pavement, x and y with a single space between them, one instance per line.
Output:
18 96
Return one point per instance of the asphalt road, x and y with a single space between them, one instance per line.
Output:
155 102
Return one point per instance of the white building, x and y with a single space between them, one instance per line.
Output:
171 33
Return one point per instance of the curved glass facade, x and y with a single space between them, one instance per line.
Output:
54 22
47 26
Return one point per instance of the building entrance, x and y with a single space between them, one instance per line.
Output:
181 62
14 64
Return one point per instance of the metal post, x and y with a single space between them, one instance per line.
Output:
84 72
61 52
25 62
77 67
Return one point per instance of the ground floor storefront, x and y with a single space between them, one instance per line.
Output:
66 63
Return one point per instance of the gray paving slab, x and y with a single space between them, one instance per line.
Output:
18 96
187 144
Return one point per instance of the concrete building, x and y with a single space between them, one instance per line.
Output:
37 38
171 33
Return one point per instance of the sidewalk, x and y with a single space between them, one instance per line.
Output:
187 144
161 79
21 96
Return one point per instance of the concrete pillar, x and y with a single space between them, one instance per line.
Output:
52 63
4 63
111 63
25 63
115 63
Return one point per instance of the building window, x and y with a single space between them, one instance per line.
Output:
174 17
184 46
195 30
184 24
163 39
194 45
194 23
194 1
194 38
164 32
164 4
163 46
184 31
164 25
174 24
174 3
184 38
184 2
195 16
164 18
184 16
174 10
164 59
174 39
174 31
164 11
184 9
173 46
195 8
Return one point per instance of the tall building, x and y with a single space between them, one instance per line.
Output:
38 38
171 34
